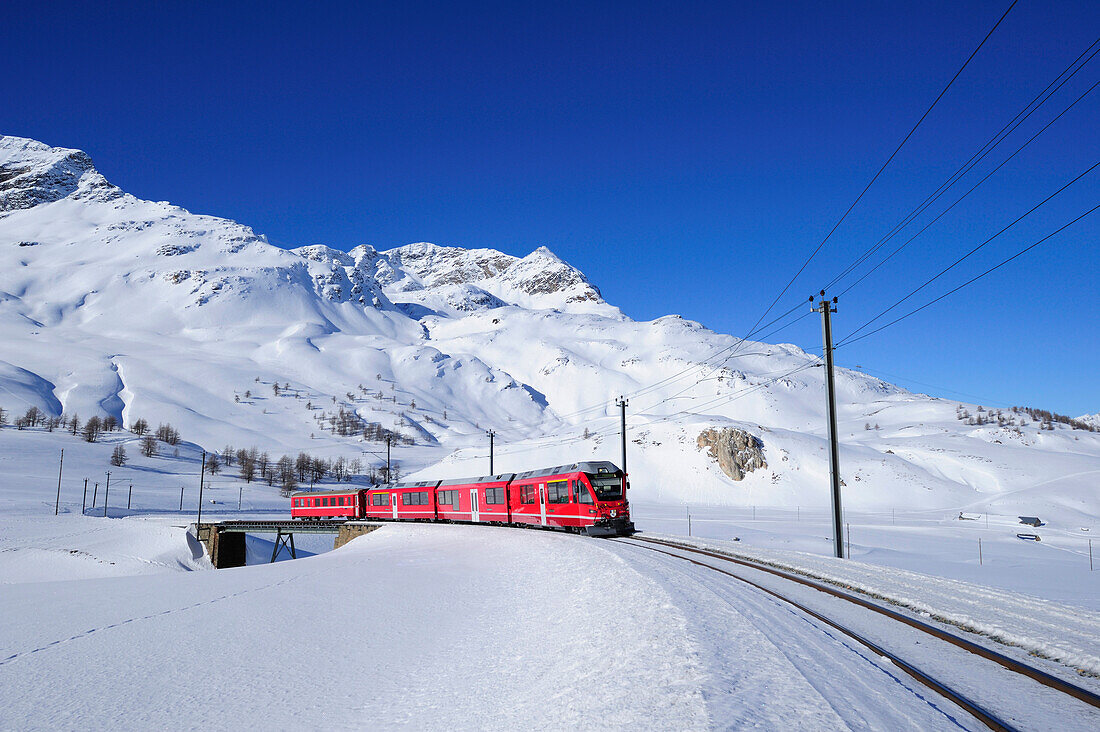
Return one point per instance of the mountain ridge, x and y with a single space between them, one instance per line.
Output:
114 305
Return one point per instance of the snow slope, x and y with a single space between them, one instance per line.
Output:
448 627
111 305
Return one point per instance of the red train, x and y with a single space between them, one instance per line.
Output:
588 497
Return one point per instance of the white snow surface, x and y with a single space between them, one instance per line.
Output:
447 627
110 305
1069 635
121 621
114 305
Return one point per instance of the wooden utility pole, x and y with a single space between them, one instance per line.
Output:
61 464
826 307
621 403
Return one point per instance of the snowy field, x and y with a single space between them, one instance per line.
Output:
121 621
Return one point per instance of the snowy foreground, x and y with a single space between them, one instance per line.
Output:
434 627
120 621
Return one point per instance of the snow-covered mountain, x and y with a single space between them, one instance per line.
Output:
114 305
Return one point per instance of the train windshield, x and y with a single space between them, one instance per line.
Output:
606 488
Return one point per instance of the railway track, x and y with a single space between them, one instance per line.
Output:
707 559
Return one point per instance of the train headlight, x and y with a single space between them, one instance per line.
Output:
614 513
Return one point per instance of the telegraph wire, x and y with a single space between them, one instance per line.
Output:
757 327
981 399
1020 253
888 161
983 180
1030 108
958 261
680 374
613 429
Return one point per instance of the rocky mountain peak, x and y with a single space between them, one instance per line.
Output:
544 273
33 173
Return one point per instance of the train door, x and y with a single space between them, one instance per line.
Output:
474 512
542 503
393 504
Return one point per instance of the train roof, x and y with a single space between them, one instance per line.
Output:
595 467
417 484
345 492
501 478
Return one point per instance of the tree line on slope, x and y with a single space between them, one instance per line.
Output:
287 471
1020 415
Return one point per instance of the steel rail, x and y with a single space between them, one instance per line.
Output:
1007 662
971 707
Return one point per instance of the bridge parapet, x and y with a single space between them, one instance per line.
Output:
224 541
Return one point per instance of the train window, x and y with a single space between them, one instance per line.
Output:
557 491
527 494
607 488
583 496
404 499
494 496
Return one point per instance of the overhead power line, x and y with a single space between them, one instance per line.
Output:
961 259
1009 127
943 213
884 165
972 280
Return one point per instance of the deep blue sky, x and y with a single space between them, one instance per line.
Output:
687 157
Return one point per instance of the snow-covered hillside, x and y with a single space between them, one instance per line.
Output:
110 305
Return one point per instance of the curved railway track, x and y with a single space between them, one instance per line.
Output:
978 711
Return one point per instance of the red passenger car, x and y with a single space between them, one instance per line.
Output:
480 500
413 501
327 504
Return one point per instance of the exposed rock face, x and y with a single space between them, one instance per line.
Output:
437 265
736 451
32 173
540 273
